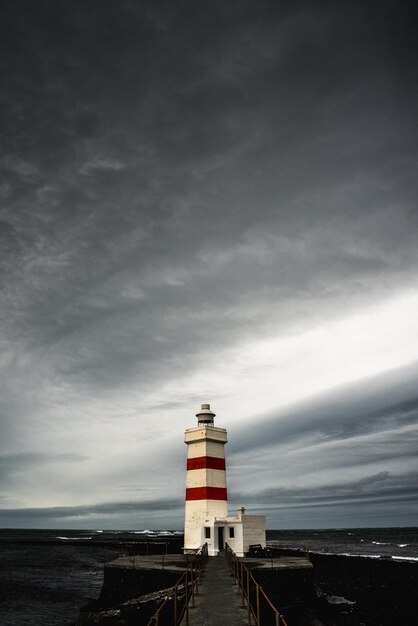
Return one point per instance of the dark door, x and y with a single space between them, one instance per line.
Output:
221 544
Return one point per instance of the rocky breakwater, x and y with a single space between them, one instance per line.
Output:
288 581
362 591
343 590
133 589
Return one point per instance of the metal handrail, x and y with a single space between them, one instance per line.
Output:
189 584
249 586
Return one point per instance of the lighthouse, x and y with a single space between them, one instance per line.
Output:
206 509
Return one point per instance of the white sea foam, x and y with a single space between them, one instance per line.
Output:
380 543
367 556
363 556
403 545
73 538
339 600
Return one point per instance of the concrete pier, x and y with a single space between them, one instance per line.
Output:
218 602
278 563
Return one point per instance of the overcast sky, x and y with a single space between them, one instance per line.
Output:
208 202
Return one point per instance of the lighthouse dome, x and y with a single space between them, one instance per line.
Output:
205 415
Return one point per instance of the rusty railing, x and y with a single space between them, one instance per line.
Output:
260 609
175 606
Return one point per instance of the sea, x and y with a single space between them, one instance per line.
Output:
394 543
46 576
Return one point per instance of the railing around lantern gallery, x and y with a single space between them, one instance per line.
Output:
175 606
260 609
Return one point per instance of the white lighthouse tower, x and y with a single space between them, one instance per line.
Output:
206 512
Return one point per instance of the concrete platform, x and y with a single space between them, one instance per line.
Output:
170 562
282 563
179 562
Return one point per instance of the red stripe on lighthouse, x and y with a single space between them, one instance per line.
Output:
206 462
206 493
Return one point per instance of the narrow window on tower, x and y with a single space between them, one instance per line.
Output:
207 532
231 532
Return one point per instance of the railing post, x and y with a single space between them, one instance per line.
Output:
248 598
187 598
175 606
192 577
258 604
242 583
277 619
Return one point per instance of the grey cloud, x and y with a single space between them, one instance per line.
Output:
37 457
385 402
381 487
12 463
185 178
105 509
355 446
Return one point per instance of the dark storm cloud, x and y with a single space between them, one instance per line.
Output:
354 447
177 178
104 509
384 403
381 487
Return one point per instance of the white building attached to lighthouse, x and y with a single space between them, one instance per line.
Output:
206 511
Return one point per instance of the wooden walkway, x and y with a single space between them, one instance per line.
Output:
218 603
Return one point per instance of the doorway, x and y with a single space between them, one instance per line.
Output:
221 544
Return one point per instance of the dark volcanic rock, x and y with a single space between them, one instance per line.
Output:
121 584
383 591
350 591
134 612
292 592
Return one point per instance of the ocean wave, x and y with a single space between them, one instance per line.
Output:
367 556
73 538
363 556
352 554
380 543
403 545
323 552
156 533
